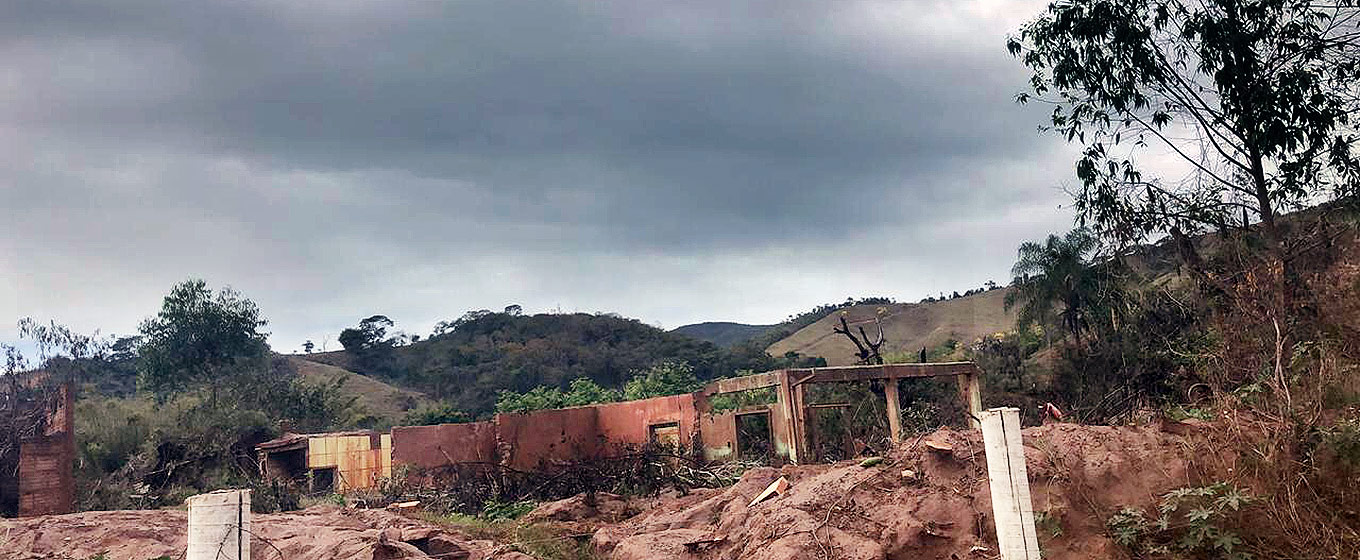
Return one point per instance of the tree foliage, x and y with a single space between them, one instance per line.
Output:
1255 97
662 380
200 338
581 392
1057 280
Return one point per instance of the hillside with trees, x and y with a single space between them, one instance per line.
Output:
723 333
469 362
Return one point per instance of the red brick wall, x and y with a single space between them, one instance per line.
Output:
628 422
46 478
437 446
536 440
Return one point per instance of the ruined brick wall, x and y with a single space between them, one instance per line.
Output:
445 444
536 440
628 422
46 479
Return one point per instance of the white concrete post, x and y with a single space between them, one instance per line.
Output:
219 526
1011 505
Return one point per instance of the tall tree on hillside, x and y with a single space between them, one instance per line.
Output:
1057 274
200 339
1255 96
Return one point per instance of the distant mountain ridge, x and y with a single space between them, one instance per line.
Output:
723 333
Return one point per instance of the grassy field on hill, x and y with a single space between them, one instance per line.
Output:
907 327
381 403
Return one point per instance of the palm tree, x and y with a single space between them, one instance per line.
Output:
1057 275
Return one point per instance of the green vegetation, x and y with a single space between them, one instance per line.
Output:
1188 521
1057 277
484 358
435 414
662 380
209 391
201 339
1266 88
581 392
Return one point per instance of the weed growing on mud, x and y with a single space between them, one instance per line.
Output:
1189 520
540 541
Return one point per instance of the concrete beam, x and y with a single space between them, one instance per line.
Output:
744 383
888 371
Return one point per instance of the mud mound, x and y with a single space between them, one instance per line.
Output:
601 507
930 499
322 533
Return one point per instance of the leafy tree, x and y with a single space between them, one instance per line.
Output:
442 413
581 392
372 332
661 380
200 338
1056 273
1255 96
308 346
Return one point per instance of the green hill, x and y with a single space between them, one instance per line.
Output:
381 403
723 333
501 351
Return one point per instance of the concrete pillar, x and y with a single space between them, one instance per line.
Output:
894 410
1009 480
970 390
219 526
788 409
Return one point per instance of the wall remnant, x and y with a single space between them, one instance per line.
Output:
336 461
541 440
36 457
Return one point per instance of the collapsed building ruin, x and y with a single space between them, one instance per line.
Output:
540 439
37 446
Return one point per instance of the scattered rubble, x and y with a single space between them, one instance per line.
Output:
319 533
926 500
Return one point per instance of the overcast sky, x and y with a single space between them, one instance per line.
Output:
671 161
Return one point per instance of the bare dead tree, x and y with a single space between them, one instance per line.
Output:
867 350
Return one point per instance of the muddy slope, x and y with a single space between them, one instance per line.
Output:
925 501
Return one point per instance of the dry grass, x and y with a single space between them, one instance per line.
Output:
384 402
907 326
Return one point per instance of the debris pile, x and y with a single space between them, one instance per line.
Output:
928 499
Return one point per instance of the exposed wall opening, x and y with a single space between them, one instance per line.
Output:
290 465
754 438
323 480
664 434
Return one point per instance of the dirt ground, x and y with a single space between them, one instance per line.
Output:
929 499
922 502
319 533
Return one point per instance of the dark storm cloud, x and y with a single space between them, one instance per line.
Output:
286 132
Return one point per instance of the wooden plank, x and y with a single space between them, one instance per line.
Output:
1009 484
894 410
1015 449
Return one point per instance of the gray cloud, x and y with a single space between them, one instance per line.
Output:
418 158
